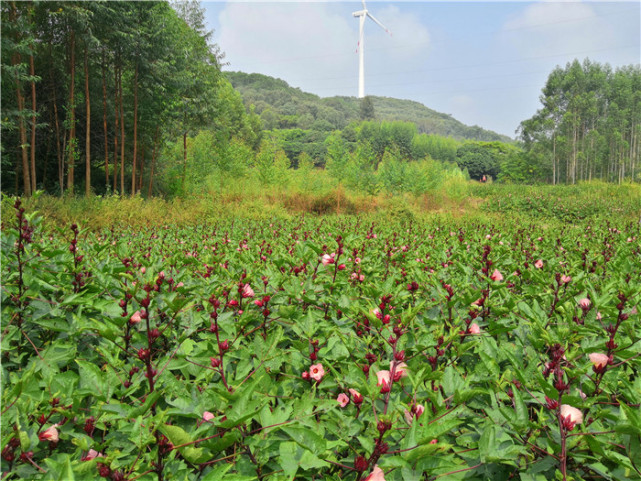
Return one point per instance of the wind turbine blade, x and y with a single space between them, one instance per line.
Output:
378 23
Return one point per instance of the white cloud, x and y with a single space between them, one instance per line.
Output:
313 45
549 28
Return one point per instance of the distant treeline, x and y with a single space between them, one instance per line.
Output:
91 91
283 107
129 97
588 128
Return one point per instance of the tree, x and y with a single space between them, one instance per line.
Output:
146 73
367 109
588 125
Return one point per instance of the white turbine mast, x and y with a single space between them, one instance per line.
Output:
361 14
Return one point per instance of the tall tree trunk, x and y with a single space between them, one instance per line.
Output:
33 123
553 159
117 129
122 136
61 166
142 167
153 161
104 122
88 128
15 61
72 147
184 161
133 169
23 137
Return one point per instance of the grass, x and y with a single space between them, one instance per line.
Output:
487 203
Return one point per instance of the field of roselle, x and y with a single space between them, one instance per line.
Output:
322 348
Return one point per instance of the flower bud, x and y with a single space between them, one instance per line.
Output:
154 334
360 464
357 397
104 470
143 354
135 318
570 416
383 426
50 434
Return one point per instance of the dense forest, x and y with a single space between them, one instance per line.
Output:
129 98
92 91
589 125
282 106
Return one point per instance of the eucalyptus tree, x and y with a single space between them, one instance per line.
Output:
588 126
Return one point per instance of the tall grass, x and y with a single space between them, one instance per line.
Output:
569 203
315 192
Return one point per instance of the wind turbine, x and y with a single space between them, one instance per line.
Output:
361 46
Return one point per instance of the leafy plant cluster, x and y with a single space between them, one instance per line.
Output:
281 106
93 90
324 348
565 203
588 126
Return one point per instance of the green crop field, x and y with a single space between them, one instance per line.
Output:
391 345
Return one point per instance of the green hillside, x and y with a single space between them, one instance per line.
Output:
281 106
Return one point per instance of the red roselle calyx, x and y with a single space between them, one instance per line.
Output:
360 464
143 354
89 426
551 403
104 470
383 427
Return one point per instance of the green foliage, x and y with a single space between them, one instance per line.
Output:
581 202
194 352
483 158
588 125
337 156
154 63
280 105
367 111
271 166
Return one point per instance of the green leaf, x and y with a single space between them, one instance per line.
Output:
218 473
306 438
521 418
452 380
487 442
66 474
92 380
179 436
288 458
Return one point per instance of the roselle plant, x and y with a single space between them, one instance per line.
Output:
325 348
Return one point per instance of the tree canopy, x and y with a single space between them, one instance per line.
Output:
588 126
98 87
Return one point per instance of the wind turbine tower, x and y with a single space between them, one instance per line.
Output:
361 14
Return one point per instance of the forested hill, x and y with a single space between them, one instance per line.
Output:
282 106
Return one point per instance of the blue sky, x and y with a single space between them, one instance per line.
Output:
484 63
